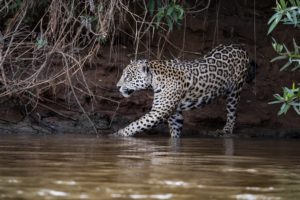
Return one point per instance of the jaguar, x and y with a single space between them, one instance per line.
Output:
181 85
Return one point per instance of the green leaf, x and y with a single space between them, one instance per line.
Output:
285 66
288 15
294 15
170 11
151 6
283 4
274 24
278 97
286 49
295 46
297 109
278 6
159 16
296 67
285 93
273 18
286 108
292 2
283 109
181 13
289 94
279 58
295 103
169 23
41 43
158 2
276 46
274 102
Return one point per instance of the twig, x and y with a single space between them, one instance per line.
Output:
201 10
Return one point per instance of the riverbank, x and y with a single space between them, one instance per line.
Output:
80 124
102 108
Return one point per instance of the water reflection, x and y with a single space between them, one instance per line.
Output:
228 146
174 143
85 167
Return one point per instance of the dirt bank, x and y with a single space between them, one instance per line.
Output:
223 22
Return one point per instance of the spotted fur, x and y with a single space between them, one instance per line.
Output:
183 85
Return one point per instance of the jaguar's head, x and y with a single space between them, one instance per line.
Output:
136 76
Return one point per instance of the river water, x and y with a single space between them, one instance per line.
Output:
86 167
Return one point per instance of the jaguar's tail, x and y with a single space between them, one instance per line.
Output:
251 71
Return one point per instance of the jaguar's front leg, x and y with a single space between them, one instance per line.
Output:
144 123
163 106
175 122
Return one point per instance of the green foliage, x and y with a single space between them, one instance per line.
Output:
287 12
101 40
40 43
290 98
12 8
293 57
35 12
171 13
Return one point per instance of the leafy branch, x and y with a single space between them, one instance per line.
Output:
290 98
171 13
287 12
293 57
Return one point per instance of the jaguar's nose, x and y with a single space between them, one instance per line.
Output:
119 87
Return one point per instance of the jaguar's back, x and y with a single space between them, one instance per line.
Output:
220 71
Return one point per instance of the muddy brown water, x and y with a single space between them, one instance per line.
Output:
85 167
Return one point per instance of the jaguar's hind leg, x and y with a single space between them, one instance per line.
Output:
175 122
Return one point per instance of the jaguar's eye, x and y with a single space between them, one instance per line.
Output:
127 78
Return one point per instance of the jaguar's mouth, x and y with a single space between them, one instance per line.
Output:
127 92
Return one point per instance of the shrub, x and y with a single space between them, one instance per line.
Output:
287 12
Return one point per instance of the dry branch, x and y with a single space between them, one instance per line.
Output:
53 49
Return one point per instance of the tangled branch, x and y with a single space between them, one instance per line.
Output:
46 44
